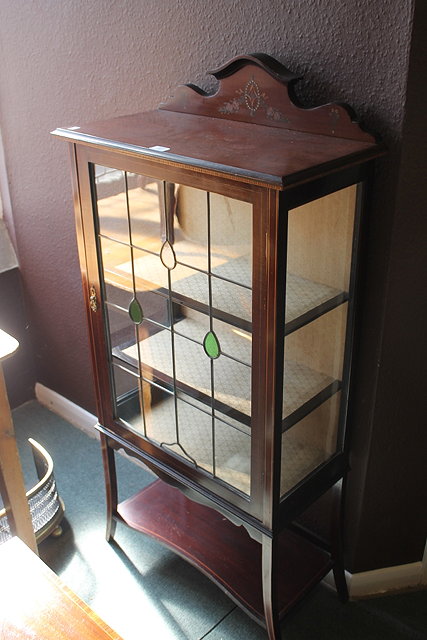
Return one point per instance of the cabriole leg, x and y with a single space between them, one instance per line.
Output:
110 478
337 550
269 587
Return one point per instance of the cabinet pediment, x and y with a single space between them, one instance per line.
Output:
258 89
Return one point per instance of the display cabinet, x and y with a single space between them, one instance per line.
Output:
218 242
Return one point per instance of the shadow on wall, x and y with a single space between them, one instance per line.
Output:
19 369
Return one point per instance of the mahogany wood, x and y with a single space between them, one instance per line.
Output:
337 551
34 603
274 156
258 89
270 574
222 550
110 476
249 193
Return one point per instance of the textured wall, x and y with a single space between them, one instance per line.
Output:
63 63
392 491
69 62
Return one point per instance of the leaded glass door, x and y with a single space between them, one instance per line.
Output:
176 267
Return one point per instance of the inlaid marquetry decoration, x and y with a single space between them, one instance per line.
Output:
252 98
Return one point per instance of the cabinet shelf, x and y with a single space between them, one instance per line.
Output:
231 299
306 389
229 461
222 550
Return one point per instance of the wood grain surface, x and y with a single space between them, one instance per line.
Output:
34 603
222 550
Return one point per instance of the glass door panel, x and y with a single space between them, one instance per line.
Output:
177 267
111 203
127 395
320 240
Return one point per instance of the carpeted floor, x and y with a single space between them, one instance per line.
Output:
145 591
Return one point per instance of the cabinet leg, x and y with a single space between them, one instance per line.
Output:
337 550
269 587
110 478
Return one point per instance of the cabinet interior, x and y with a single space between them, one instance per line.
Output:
186 257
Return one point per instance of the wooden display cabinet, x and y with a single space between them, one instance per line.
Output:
218 243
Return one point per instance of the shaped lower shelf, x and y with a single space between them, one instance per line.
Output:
223 551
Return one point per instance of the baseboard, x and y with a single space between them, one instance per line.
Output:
366 583
405 576
66 409
75 415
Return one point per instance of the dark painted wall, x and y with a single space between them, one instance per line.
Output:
357 52
387 515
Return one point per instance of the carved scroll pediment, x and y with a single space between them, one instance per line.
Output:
258 89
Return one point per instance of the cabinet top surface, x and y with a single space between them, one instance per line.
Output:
251 128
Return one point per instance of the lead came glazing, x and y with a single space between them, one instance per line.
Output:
167 256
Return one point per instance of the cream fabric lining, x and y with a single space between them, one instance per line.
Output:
232 380
232 447
302 295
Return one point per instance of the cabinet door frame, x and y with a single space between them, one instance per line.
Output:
264 295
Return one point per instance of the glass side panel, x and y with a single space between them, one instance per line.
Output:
177 271
320 240
309 443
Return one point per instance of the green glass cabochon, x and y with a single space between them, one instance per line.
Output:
211 345
135 311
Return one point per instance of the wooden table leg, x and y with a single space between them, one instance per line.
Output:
11 479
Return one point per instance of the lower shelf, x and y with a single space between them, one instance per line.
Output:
223 551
